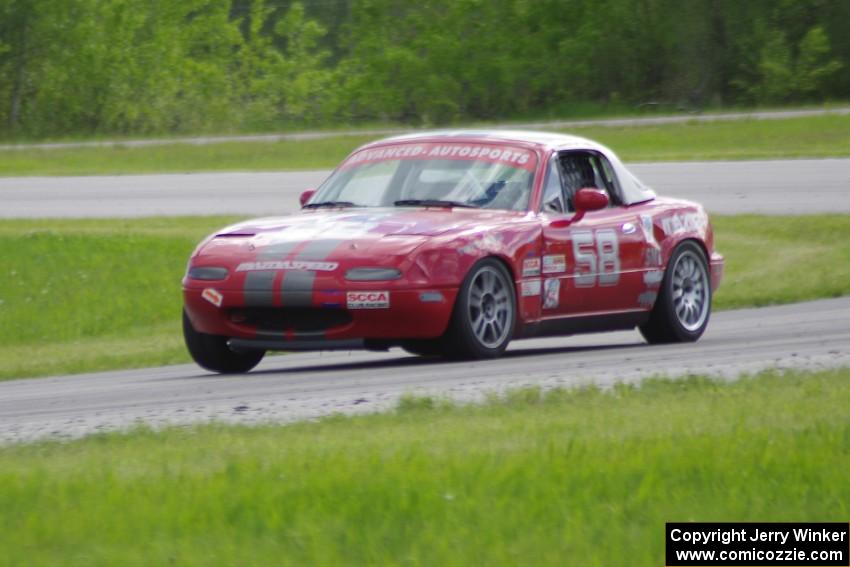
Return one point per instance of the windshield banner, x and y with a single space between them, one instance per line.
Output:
521 158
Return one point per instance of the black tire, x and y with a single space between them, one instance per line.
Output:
483 319
212 353
683 306
423 347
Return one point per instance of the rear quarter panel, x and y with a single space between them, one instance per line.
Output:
674 221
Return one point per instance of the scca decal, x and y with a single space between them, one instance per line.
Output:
368 299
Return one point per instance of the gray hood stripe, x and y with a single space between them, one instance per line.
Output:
258 288
296 287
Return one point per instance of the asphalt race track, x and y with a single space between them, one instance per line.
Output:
302 386
765 187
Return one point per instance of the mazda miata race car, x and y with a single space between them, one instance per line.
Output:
453 244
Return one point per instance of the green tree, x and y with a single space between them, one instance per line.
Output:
152 66
815 64
781 75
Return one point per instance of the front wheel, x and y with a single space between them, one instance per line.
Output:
484 316
683 306
212 353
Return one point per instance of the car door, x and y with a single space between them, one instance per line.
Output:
591 264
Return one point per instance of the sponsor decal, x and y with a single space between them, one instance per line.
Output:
551 293
493 153
652 257
531 267
688 222
287 265
554 264
213 296
653 277
648 230
367 299
647 299
531 288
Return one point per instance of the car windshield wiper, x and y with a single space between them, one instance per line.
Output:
433 203
330 204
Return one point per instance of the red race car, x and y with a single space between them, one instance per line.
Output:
454 243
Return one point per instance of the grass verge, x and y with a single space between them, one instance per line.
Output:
819 136
85 295
776 260
567 477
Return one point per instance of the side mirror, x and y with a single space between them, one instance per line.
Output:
306 196
586 199
590 199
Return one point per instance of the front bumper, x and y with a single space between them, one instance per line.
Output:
419 313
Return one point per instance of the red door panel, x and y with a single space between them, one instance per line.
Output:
594 265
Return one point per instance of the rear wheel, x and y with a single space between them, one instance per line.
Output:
484 315
683 306
212 353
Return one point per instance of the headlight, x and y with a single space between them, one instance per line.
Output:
207 273
372 274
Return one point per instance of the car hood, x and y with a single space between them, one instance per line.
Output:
334 235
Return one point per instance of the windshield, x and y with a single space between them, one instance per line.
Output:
489 176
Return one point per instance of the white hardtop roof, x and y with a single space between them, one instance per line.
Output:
549 140
631 188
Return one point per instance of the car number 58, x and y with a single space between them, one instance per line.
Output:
597 257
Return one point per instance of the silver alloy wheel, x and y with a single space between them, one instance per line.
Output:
490 313
690 291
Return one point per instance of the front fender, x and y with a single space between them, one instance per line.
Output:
447 260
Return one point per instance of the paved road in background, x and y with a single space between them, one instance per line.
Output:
546 125
768 187
302 386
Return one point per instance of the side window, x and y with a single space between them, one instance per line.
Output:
577 170
607 177
553 191
588 169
